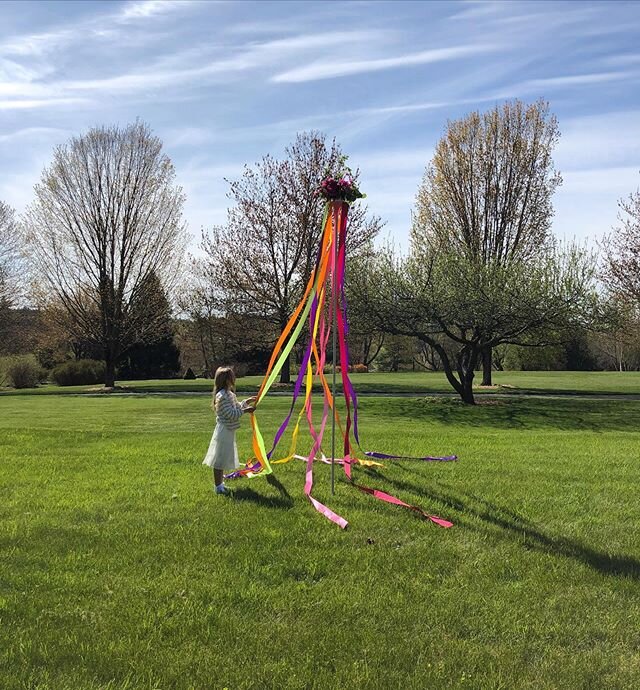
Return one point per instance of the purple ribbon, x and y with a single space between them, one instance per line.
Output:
299 380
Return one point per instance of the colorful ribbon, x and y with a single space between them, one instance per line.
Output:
314 305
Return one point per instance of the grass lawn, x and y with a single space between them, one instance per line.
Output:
540 382
120 569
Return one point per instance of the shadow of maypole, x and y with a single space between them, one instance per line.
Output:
516 527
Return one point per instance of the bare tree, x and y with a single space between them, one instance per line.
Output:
211 332
619 349
9 268
264 254
487 193
107 216
200 302
622 254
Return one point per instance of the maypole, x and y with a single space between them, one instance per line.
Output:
334 297
326 315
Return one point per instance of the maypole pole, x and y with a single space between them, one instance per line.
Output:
339 192
334 297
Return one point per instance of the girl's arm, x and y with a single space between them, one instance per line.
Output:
228 409
249 403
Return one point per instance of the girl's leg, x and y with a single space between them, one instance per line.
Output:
218 476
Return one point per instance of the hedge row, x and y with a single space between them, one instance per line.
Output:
79 372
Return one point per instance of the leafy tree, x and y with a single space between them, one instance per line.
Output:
107 216
613 340
549 358
487 192
426 356
365 338
578 353
21 330
396 353
262 257
156 360
477 305
155 355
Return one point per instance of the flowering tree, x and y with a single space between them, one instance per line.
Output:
263 256
487 193
622 254
459 307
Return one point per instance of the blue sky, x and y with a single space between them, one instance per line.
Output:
223 83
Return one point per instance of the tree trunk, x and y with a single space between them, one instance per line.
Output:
368 358
285 372
467 362
366 347
467 388
109 370
463 385
203 350
487 364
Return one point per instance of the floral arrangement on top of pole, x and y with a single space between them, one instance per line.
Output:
323 307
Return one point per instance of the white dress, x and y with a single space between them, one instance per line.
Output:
223 450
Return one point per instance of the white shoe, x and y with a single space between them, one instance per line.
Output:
222 489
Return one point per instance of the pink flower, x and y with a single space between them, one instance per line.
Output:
343 189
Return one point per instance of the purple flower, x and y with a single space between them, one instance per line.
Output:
342 188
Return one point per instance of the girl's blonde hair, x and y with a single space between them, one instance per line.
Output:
224 378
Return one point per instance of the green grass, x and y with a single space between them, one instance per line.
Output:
120 568
513 382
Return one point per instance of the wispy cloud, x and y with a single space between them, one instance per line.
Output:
407 108
540 87
17 80
144 9
271 136
187 136
35 103
271 133
622 60
477 10
102 26
327 69
599 141
586 203
578 79
37 44
181 70
31 134
499 15
225 83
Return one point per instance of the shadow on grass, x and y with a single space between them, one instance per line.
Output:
521 529
282 501
531 413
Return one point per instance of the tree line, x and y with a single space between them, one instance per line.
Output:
97 266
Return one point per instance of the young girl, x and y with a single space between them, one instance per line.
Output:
223 451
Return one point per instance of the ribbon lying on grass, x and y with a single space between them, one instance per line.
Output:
314 305
392 499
